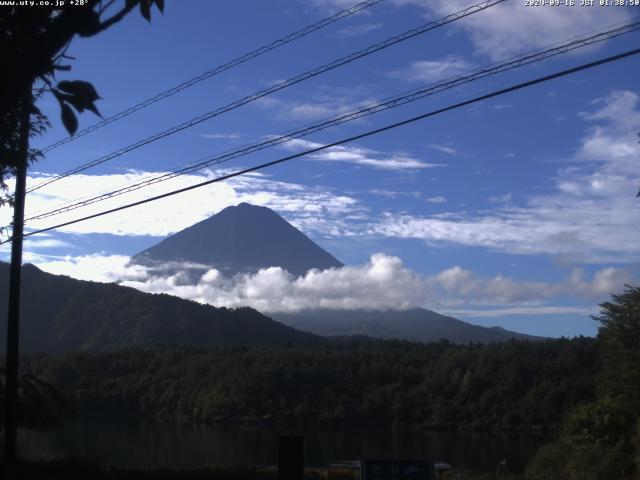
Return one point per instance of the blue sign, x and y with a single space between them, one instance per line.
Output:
398 470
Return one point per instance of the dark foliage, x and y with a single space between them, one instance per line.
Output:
33 46
510 386
40 405
600 440
619 335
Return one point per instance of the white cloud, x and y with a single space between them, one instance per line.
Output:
512 27
222 136
381 283
613 138
362 156
592 215
357 30
428 71
45 243
297 202
461 286
437 199
578 231
96 267
395 193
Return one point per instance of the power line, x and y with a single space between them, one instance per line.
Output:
217 70
280 86
369 133
386 104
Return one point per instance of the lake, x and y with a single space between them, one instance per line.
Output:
180 446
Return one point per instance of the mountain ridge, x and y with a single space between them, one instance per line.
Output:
60 314
64 314
415 324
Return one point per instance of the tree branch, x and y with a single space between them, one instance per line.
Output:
130 5
105 7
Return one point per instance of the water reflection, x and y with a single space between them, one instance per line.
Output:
179 446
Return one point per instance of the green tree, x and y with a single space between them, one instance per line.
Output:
601 439
619 335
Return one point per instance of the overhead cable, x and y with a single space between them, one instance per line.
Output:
383 105
279 86
217 70
360 136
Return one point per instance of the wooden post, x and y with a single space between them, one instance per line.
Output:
291 458
13 322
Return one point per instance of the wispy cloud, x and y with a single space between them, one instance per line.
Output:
591 215
46 243
437 199
448 149
316 106
309 205
501 106
428 71
363 156
505 198
394 193
222 136
357 30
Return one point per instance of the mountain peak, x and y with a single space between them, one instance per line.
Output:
249 206
240 239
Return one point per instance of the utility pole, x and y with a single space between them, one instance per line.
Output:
13 323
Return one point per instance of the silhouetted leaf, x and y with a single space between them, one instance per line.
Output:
75 102
79 88
160 4
145 9
69 119
64 68
79 94
92 108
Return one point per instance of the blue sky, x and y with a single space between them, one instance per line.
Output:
519 211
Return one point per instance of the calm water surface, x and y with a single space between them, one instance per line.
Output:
146 446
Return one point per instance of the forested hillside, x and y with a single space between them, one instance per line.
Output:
63 314
516 385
